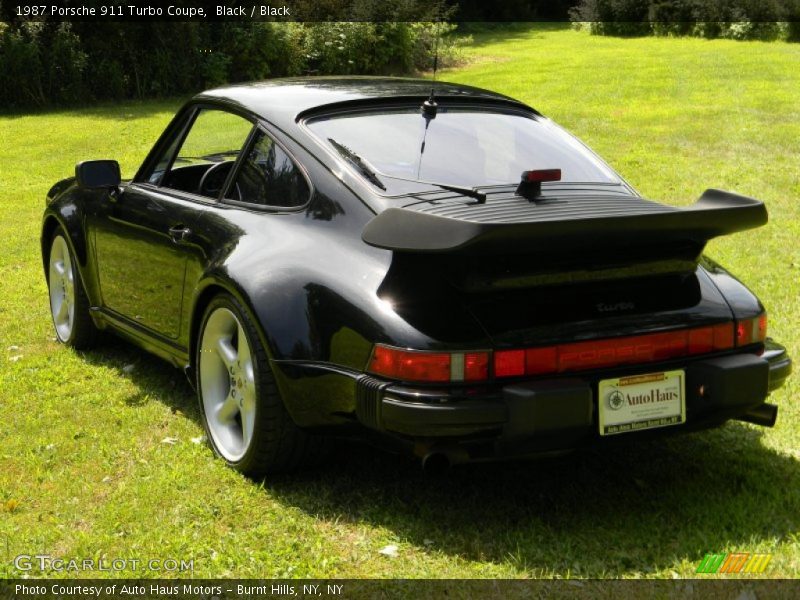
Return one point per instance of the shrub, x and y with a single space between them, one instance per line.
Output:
42 64
733 19
613 17
450 45
59 63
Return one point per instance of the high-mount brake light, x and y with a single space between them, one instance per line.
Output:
751 331
530 186
542 175
595 354
437 367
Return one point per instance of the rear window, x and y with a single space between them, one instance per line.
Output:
460 146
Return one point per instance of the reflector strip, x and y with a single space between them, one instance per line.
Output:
595 354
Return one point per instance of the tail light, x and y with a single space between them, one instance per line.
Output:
413 365
449 367
751 331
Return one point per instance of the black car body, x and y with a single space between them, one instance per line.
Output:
417 300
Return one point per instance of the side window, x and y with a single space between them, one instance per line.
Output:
206 155
162 165
268 177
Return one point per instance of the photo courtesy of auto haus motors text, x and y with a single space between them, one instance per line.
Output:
138 590
298 293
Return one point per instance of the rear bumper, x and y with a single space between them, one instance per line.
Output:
780 365
558 414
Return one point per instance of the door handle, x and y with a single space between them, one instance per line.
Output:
179 233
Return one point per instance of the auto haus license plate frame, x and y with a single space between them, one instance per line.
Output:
639 402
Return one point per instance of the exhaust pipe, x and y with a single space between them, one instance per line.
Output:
764 414
439 459
436 463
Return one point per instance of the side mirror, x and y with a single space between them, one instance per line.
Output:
97 174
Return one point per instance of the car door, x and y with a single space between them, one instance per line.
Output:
146 234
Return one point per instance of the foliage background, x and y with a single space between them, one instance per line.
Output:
51 63
731 19
61 64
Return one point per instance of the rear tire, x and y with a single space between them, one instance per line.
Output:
245 419
69 305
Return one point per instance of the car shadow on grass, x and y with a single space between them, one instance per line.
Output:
630 508
633 508
152 377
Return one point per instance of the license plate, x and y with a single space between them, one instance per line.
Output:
641 402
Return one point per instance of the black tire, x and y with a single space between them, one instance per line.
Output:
82 334
277 445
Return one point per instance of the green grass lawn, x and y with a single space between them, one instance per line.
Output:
85 470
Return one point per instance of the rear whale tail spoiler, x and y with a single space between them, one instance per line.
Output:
631 224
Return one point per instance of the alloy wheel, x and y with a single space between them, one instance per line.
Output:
227 384
62 288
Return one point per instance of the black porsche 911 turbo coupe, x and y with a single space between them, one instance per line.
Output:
432 266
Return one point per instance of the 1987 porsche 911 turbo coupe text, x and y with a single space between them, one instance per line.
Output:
432 266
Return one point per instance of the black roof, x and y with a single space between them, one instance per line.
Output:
282 101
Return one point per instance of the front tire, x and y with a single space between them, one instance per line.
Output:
69 305
246 422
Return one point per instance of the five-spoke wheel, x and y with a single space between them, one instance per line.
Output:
227 379
62 288
69 305
246 421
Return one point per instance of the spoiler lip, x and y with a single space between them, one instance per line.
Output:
714 214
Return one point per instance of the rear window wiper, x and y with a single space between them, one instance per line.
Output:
358 162
464 191
372 175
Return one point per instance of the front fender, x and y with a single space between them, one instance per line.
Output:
65 209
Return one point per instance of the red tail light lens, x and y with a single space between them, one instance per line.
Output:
509 363
476 366
411 365
762 327
459 367
541 360
723 336
596 354
751 331
702 340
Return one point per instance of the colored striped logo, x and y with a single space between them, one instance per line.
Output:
734 562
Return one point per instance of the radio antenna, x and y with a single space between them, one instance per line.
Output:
430 107
436 46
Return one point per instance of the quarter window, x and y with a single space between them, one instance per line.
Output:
268 177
